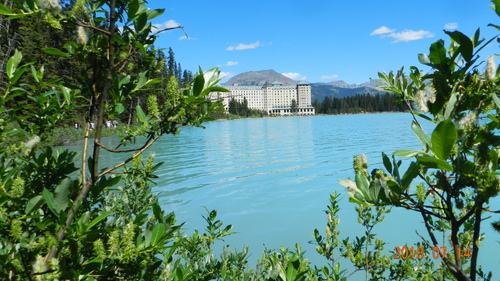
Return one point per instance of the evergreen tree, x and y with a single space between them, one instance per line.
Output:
187 76
178 72
293 106
359 104
171 64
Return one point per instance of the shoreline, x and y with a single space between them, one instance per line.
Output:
322 114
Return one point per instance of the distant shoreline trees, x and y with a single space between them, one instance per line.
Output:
359 104
241 109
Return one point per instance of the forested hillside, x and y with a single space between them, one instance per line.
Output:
359 104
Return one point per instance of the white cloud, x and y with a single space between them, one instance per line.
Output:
329 77
410 35
294 76
242 46
406 35
186 38
229 63
167 24
224 75
451 25
382 30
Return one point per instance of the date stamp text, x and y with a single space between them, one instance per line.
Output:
436 253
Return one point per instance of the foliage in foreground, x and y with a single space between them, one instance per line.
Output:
66 219
452 180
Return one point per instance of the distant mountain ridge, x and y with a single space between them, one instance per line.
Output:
342 84
320 90
259 78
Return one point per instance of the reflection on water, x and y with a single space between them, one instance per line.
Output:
271 178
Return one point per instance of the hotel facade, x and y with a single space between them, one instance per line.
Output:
274 99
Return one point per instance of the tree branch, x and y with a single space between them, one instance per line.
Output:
477 231
119 151
95 28
491 211
170 28
457 272
129 159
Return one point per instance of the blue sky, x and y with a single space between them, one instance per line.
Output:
315 40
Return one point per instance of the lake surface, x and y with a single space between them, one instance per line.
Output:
271 178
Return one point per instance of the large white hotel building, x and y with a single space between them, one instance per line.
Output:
274 99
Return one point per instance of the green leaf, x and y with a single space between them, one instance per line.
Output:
141 82
30 4
204 108
133 8
450 106
408 153
466 47
363 184
496 6
33 204
119 108
55 52
37 74
153 81
198 84
62 194
495 26
17 74
410 174
438 53
424 59
66 94
496 99
99 218
158 232
155 13
218 89
12 64
141 22
424 139
140 114
140 47
49 199
434 163
387 162
476 40
443 139
118 39
377 191
5 11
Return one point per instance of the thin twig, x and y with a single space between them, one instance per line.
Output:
170 28
118 151
129 159
93 27
491 211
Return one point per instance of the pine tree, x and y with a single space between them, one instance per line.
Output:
171 64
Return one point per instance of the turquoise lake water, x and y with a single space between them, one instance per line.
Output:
271 178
